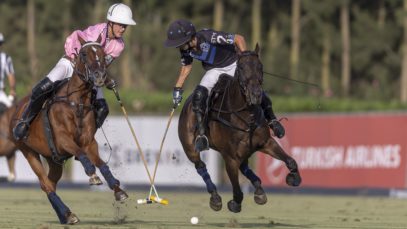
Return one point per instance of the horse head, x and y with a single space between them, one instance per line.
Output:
90 63
249 73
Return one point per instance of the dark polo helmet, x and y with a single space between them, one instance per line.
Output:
179 32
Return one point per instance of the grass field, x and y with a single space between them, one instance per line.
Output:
29 208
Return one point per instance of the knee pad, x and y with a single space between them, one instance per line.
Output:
199 98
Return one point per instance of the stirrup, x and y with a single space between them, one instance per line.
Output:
201 143
20 131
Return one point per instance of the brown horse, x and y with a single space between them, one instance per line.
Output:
7 147
236 128
72 120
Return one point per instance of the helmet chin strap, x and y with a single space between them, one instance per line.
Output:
110 24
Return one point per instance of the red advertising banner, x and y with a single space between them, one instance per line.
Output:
342 151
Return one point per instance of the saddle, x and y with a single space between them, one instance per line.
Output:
218 90
216 93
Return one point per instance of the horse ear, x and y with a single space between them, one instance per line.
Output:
81 40
99 39
257 49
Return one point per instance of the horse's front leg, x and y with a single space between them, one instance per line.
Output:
273 149
68 145
232 168
64 214
259 194
114 184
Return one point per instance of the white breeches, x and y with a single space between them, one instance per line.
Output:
6 100
64 69
211 76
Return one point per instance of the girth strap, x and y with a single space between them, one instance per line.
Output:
56 157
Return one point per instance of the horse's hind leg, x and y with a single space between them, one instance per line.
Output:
11 159
259 194
63 212
273 149
113 183
232 165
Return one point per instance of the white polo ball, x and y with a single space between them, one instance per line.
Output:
194 220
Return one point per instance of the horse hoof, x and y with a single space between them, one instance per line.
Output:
11 178
233 206
72 219
95 180
121 195
215 202
260 196
293 179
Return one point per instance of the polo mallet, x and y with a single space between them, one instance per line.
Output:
161 149
159 200
108 143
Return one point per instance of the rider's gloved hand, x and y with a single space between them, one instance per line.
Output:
111 84
177 96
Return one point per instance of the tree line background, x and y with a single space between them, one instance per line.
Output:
355 50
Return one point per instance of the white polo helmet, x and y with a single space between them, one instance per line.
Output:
120 13
1 38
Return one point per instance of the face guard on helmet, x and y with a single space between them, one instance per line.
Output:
179 32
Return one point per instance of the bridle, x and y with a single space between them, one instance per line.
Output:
239 75
251 124
88 76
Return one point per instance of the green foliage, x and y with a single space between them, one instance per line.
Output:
145 102
375 48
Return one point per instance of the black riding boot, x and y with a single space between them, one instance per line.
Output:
101 112
199 107
271 118
40 93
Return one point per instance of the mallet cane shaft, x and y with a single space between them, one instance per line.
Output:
134 135
161 149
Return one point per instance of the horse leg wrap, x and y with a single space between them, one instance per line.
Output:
60 208
210 186
111 181
87 165
247 172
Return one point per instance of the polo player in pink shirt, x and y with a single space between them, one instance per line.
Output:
119 16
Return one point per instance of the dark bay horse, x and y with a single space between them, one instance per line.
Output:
236 128
7 146
72 120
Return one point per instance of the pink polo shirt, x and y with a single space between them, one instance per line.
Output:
112 47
